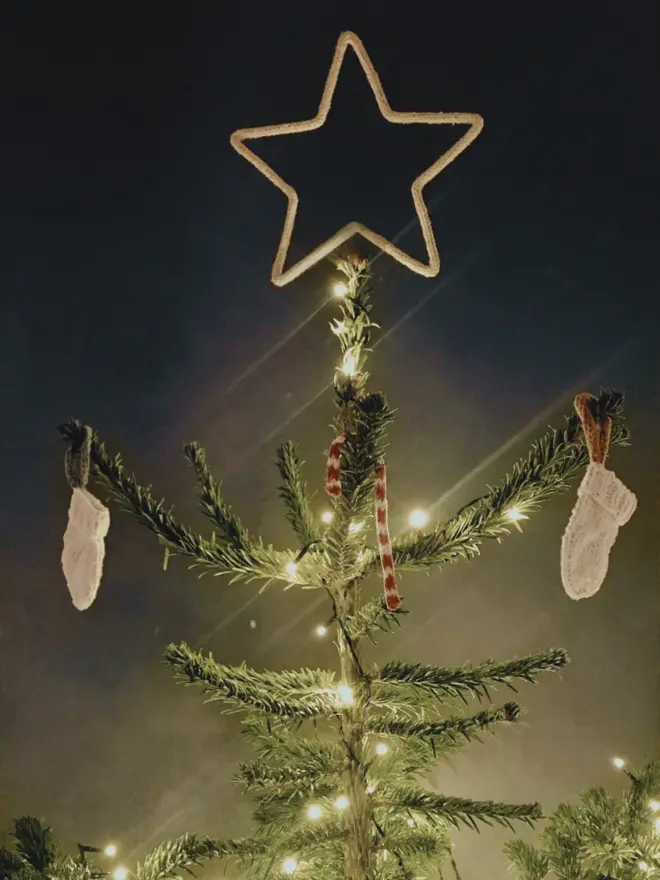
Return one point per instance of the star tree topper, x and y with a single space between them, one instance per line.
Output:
475 122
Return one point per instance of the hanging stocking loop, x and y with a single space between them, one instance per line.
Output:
77 458
596 434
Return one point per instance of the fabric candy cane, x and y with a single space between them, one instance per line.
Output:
604 505
392 598
89 520
333 467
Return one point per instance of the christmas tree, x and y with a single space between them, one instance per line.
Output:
341 756
602 837
35 855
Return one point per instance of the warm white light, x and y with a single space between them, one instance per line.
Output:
339 289
355 527
321 630
338 328
342 802
291 569
382 749
349 365
410 823
619 763
289 866
657 825
642 866
655 806
314 811
327 516
120 873
110 850
345 695
418 519
515 514
370 789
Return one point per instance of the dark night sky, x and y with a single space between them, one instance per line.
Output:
136 254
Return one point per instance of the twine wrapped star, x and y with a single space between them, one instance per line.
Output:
279 276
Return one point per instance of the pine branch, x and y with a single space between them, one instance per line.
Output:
472 681
10 864
35 843
173 858
294 494
248 562
546 471
296 694
372 616
449 730
528 861
213 505
457 811
298 760
415 843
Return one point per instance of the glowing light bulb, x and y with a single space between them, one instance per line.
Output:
410 823
327 516
370 789
289 866
321 630
515 515
386 855
655 806
619 763
418 519
382 749
345 695
110 850
314 811
643 866
342 802
355 527
120 873
338 327
291 569
349 365
339 289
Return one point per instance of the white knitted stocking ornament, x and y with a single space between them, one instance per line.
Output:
84 538
604 505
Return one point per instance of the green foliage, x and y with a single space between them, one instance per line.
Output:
298 694
544 472
601 837
293 492
357 747
373 616
448 730
456 811
470 681
36 856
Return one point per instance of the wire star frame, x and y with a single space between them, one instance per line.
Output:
475 122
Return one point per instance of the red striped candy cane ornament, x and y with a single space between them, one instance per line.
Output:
392 598
333 467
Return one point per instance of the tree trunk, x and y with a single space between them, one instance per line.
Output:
358 847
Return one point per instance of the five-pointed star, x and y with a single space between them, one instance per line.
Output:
280 277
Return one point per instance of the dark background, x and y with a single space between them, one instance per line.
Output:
136 252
